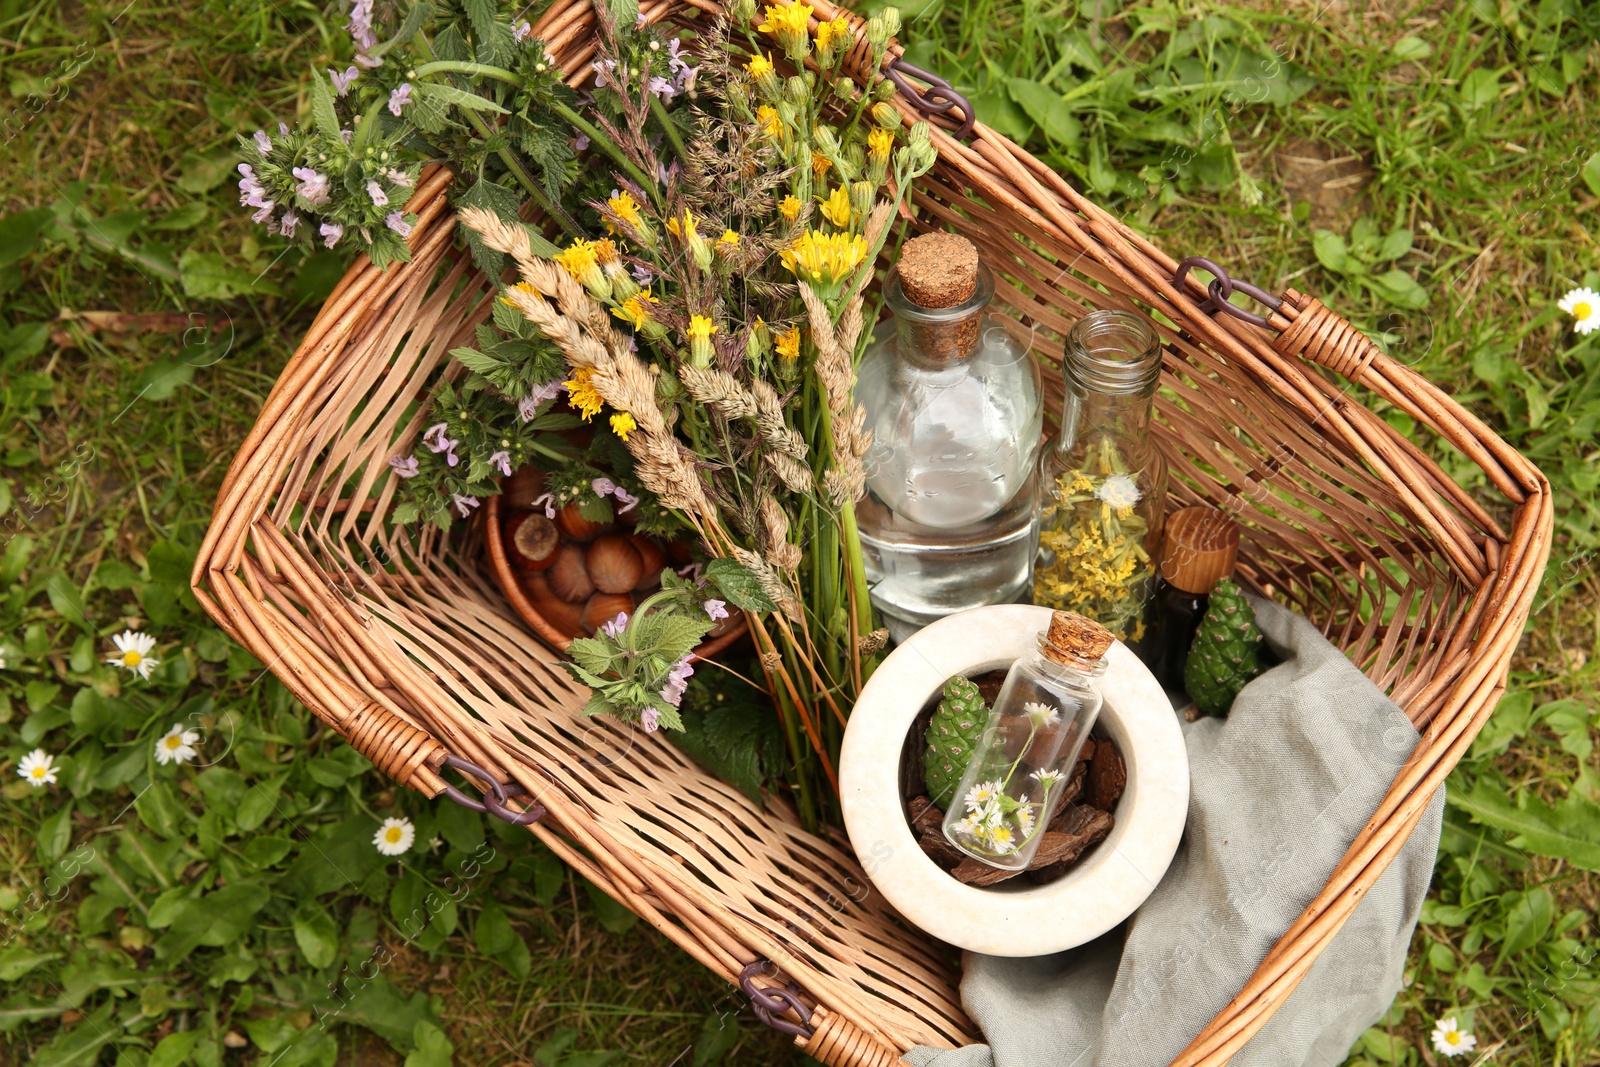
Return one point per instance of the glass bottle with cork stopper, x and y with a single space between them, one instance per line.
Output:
953 404
1021 764
1199 548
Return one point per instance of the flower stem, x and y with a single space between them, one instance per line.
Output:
660 112
480 70
583 126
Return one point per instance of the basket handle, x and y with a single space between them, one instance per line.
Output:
825 1036
1304 325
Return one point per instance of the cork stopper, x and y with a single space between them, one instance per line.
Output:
939 270
1073 638
1199 548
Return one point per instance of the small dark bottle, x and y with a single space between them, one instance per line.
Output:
1198 550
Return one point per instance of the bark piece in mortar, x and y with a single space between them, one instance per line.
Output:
1108 777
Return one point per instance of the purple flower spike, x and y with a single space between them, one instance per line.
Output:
603 486
677 681
404 466
548 502
375 191
626 499
264 214
648 719
331 232
263 142
287 224
717 609
615 627
464 504
396 221
522 31
502 461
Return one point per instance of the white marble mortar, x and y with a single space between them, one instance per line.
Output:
1018 918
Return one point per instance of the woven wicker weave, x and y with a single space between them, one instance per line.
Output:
397 641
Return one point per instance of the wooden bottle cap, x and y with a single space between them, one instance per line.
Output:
938 270
1199 548
1073 637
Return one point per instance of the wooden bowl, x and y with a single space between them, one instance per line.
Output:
734 627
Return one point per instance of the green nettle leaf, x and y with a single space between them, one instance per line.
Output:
739 585
1045 107
1591 173
55 833
16 960
323 112
19 233
1527 921
317 936
265 850
433 1048
159 810
202 172
172 905
1394 245
383 1009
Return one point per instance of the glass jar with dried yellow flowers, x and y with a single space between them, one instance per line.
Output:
1104 483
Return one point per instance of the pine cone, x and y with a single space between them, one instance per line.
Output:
1225 654
952 734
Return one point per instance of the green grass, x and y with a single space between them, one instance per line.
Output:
1297 145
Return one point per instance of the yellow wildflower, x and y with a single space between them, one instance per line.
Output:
836 208
728 241
880 142
770 121
626 208
582 394
833 36
787 343
636 309
790 208
700 330
583 263
820 164
759 64
622 424
788 24
825 259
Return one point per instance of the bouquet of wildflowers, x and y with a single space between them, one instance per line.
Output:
703 310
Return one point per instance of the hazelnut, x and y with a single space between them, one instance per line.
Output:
652 560
557 612
531 541
569 578
572 523
613 563
602 608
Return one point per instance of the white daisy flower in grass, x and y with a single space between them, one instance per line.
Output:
1448 1040
1584 307
177 745
981 794
395 836
988 814
134 653
1119 491
1042 714
38 768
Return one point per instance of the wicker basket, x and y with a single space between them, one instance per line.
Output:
397 641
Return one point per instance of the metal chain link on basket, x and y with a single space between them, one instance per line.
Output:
769 1002
1221 287
494 801
936 100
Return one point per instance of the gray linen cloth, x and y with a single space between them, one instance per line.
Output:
1278 791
